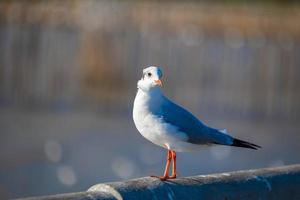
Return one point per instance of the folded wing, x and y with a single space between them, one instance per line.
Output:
196 131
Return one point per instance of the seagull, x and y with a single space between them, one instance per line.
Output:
170 126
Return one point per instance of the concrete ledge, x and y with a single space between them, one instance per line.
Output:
269 183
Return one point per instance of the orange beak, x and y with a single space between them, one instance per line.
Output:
158 82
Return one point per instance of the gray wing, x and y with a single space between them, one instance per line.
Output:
196 131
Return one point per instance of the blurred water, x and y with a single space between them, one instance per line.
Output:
68 75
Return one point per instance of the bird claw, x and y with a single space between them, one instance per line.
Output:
172 177
164 178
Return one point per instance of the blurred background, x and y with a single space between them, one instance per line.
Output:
68 73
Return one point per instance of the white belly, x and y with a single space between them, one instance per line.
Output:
159 132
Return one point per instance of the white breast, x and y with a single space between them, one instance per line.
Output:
146 123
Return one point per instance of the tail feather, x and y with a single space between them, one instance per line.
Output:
244 144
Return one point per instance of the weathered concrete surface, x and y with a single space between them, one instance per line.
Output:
269 183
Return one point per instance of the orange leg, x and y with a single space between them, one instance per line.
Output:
166 173
174 172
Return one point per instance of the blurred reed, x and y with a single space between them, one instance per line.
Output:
88 55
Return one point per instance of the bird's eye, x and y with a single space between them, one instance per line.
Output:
149 74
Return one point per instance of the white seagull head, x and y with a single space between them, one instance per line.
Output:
151 79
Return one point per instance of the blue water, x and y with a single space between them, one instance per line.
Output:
91 148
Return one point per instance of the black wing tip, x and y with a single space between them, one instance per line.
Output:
244 144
